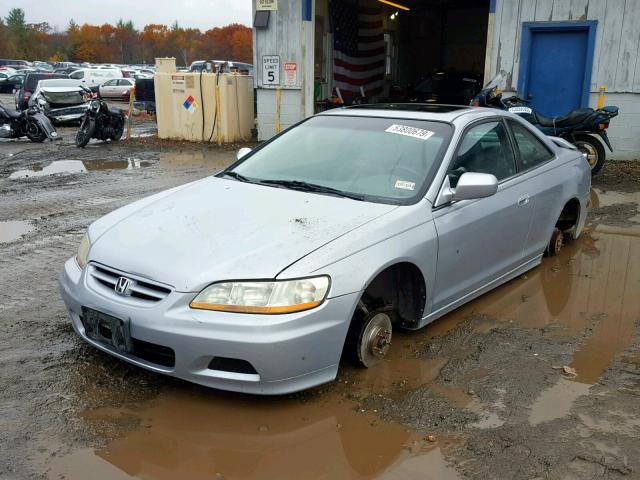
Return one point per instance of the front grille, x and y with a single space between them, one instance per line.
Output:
140 289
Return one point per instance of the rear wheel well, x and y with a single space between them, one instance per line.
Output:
568 220
399 290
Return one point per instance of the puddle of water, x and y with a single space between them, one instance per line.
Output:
213 160
79 166
196 434
12 230
556 402
592 284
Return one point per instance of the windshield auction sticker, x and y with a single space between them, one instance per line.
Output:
404 185
410 131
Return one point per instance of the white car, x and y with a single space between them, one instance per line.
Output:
93 77
117 88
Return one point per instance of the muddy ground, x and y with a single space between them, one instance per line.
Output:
487 392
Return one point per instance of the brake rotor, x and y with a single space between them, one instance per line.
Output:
375 339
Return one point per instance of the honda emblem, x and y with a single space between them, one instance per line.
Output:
122 286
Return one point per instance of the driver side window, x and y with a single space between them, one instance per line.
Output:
484 148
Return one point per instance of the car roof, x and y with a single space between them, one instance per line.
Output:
415 111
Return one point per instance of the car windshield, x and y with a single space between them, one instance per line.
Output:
376 159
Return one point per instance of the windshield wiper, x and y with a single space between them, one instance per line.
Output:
237 176
312 187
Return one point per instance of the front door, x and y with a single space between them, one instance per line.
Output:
556 66
481 240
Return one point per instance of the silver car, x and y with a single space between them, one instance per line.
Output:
318 243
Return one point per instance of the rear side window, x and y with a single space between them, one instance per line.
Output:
485 148
532 152
77 75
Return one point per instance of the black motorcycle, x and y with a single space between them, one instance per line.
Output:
27 123
577 127
100 121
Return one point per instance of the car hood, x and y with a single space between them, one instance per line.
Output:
220 229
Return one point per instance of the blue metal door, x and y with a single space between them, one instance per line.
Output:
555 72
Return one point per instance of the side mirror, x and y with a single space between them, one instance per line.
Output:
242 152
472 185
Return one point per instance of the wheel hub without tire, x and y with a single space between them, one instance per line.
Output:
375 340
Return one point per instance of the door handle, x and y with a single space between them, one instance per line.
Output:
523 200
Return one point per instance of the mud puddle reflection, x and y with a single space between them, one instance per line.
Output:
79 166
12 230
208 434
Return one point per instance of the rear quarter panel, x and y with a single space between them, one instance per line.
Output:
551 186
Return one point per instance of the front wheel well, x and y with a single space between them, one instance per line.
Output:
399 290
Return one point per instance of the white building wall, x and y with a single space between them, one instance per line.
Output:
615 61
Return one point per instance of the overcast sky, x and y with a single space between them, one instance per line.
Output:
202 14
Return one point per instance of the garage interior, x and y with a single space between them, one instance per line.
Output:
422 37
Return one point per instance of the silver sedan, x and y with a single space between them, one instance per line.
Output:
321 241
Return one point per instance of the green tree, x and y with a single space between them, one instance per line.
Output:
18 31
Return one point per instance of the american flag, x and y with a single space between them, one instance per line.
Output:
358 47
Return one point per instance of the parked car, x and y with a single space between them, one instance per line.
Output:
5 61
258 278
93 77
61 100
453 88
65 70
11 82
29 85
117 88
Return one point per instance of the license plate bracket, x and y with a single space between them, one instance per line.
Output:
107 329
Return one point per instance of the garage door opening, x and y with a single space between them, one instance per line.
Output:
430 51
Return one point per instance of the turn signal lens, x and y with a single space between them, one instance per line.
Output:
267 297
602 126
83 251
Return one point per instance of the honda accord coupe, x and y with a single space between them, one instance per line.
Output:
317 244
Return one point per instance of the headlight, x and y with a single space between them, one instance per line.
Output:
263 296
42 101
94 105
83 251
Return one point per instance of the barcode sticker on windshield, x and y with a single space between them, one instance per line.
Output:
410 131
405 185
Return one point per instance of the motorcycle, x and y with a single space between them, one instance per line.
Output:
27 123
100 121
577 127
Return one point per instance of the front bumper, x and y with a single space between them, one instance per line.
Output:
67 114
289 352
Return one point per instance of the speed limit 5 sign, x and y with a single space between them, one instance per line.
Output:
271 69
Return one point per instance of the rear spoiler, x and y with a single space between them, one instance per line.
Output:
562 143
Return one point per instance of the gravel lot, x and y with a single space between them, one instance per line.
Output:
479 394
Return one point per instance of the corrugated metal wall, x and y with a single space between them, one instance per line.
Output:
615 63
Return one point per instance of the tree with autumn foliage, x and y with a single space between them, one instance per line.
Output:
121 43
